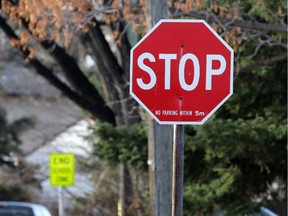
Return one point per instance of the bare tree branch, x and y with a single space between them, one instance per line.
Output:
112 72
97 108
237 22
267 62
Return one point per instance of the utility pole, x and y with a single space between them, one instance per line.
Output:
160 145
160 168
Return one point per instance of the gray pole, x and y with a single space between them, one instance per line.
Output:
178 170
160 168
156 10
60 201
160 139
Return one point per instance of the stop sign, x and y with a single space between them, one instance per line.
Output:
181 71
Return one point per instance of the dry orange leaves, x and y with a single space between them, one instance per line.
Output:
56 19
47 18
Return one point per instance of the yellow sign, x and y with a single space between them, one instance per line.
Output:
61 169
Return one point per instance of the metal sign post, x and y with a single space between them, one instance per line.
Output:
178 170
61 170
60 201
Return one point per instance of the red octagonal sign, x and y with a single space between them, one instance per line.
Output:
181 71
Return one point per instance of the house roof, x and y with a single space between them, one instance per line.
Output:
23 93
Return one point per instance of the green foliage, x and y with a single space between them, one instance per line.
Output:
262 10
9 134
121 144
11 188
237 159
15 192
232 160
202 194
238 153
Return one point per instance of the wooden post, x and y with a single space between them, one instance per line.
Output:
160 139
160 168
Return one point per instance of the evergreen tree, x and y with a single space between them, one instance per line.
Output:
9 137
232 161
11 162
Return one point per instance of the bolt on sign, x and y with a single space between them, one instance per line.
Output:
62 168
181 71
